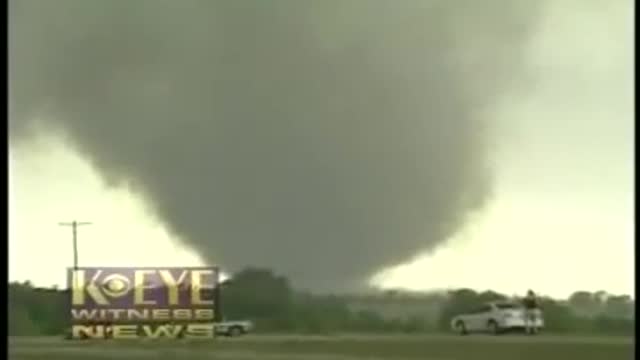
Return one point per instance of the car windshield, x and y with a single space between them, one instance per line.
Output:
507 306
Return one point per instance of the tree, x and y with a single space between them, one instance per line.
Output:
584 303
256 293
619 306
558 317
20 321
267 299
458 301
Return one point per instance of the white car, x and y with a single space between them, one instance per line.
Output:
233 328
494 317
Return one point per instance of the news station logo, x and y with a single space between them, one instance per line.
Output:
131 303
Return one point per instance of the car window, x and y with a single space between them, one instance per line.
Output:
506 306
481 309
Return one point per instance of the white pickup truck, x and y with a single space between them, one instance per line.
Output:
233 328
495 318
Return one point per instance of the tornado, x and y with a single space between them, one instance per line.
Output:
325 140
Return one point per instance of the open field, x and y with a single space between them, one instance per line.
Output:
347 347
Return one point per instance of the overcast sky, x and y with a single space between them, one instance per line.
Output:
561 218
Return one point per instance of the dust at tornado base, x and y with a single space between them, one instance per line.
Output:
351 347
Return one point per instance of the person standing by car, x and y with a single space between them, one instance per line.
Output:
531 308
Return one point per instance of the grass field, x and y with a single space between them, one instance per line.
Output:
352 347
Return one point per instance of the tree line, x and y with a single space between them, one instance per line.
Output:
270 301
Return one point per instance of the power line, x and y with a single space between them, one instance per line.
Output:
74 228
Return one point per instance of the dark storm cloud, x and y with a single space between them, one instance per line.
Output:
324 139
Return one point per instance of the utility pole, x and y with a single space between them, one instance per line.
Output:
74 227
